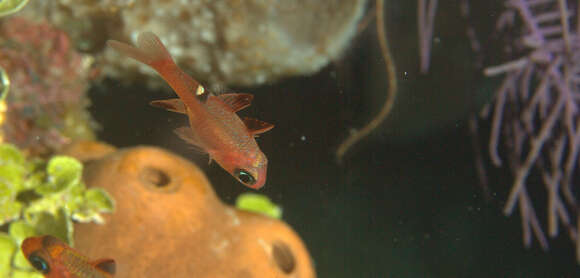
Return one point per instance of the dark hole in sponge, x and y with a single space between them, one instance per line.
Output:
155 177
284 257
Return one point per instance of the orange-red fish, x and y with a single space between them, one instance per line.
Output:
54 259
215 128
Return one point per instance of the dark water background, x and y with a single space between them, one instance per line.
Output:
406 202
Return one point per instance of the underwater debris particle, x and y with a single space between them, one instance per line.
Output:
8 7
283 257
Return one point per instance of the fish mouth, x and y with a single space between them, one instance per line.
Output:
256 186
261 181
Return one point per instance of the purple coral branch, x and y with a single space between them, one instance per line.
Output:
535 110
552 183
536 145
547 121
498 115
564 22
425 18
464 7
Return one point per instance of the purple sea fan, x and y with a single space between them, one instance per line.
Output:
535 111
425 22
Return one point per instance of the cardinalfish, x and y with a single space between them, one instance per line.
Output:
54 259
215 128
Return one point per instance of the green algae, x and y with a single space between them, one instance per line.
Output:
41 198
8 7
258 203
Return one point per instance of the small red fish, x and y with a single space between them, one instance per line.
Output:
215 128
54 259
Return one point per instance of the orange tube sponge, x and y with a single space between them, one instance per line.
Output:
169 223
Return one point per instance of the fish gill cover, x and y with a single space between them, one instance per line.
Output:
39 197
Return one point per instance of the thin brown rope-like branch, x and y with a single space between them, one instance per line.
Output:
392 90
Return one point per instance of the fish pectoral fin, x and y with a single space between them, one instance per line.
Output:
256 126
237 101
107 265
172 104
187 135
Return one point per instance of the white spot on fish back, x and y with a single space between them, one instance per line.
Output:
199 90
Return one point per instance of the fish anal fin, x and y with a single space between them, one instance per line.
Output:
172 104
106 265
187 135
237 101
256 126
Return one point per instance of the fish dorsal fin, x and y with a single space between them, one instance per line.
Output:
187 135
172 104
237 101
256 126
106 265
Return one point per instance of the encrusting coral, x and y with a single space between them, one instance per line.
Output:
221 42
46 107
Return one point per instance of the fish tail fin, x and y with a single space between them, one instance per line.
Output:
150 50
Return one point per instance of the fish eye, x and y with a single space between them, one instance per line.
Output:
244 176
39 263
